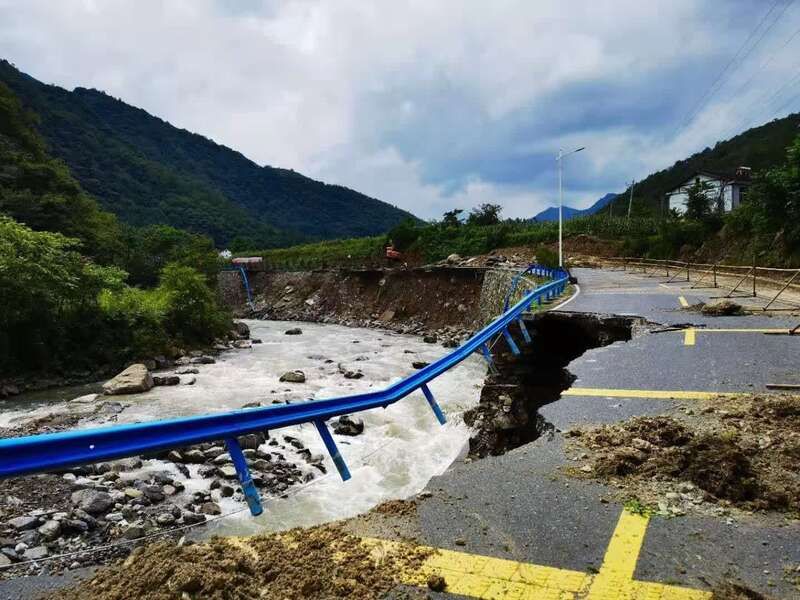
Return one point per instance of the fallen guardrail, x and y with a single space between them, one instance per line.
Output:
50 452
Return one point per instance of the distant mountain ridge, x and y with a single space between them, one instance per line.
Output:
551 213
147 171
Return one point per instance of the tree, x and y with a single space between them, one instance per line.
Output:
404 234
451 218
773 202
698 204
49 297
485 214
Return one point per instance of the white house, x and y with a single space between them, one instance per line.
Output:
725 192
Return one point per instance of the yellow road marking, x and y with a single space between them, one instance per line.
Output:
654 394
689 336
492 578
743 330
683 301
616 574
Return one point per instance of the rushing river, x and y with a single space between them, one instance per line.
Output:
401 448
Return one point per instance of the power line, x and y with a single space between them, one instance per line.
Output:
767 62
789 102
764 103
714 86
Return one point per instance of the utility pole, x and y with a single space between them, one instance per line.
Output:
560 209
630 200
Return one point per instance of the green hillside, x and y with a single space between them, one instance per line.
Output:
759 148
68 270
146 171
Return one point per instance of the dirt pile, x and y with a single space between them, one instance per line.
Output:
738 451
724 308
323 562
734 591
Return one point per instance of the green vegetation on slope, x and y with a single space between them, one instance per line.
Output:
146 171
64 262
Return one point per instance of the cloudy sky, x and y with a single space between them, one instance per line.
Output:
438 104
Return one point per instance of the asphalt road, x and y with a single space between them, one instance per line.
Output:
521 507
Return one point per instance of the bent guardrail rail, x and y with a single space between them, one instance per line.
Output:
53 451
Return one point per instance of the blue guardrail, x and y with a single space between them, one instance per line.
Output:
54 451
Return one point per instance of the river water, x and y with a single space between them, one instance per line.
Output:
401 449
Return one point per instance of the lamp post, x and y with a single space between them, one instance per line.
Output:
560 158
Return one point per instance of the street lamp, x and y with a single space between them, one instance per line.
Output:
560 158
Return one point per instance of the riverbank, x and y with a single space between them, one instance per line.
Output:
179 491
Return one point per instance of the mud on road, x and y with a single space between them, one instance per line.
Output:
322 562
740 452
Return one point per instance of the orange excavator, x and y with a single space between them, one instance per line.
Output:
392 253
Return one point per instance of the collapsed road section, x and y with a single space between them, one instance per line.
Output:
507 414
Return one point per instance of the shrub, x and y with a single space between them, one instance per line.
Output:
191 314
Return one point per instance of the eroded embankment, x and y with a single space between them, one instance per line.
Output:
409 300
507 415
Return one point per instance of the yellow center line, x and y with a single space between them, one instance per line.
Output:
689 336
683 301
652 394
492 578
742 330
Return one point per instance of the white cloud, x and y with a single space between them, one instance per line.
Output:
427 105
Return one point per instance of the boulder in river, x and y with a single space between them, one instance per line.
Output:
86 399
93 502
23 523
346 425
241 329
293 377
166 380
293 331
133 380
202 360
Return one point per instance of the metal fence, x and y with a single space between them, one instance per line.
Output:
739 281
49 452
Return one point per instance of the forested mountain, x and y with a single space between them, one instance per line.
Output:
78 288
146 171
759 148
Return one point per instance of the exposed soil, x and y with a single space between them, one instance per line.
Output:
723 308
397 508
734 591
405 300
588 245
740 452
323 562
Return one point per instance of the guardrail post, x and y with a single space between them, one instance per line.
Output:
510 342
248 487
524 331
487 354
330 445
433 404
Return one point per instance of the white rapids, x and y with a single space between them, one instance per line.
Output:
401 449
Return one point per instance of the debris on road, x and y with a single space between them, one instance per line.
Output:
724 308
732 452
264 566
